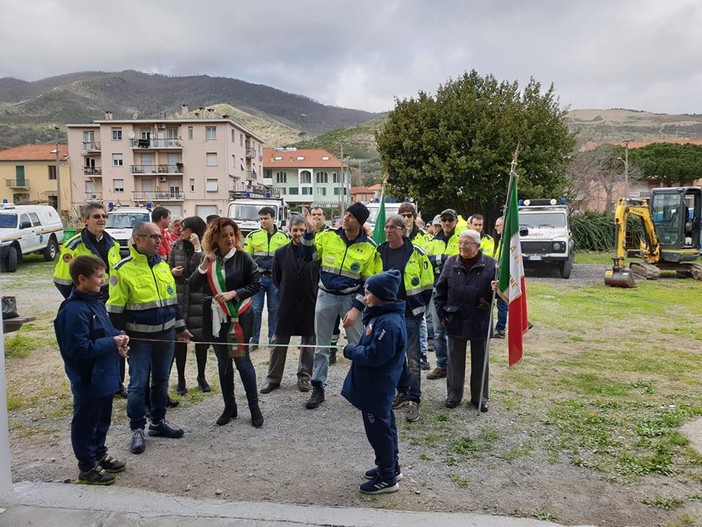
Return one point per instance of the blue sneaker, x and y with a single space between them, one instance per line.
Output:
373 473
379 486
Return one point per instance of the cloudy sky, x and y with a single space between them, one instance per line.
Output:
639 54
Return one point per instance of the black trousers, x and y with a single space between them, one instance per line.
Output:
91 421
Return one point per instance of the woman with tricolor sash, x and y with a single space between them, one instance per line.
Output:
228 278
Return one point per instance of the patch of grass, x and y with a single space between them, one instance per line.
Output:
516 452
544 515
461 481
14 402
663 502
19 346
425 457
593 257
686 520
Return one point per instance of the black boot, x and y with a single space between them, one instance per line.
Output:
256 417
230 412
317 396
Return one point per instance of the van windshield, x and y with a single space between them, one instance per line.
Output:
535 220
8 221
125 220
247 212
390 209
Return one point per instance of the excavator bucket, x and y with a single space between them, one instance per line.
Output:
619 278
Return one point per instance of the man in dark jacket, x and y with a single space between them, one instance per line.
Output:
375 370
296 280
463 304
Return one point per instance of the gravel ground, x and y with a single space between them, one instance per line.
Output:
318 457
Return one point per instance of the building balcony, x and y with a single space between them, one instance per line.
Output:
17 183
92 171
93 196
250 153
158 143
158 196
149 170
91 146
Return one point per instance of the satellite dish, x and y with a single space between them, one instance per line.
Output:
131 135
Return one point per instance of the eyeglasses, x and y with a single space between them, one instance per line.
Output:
447 220
391 227
155 237
407 215
99 216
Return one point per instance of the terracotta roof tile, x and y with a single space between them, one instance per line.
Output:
301 158
33 153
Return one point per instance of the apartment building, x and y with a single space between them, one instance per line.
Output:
31 174
306 176
188 165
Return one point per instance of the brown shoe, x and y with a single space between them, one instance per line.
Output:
304 385
268 387
436 373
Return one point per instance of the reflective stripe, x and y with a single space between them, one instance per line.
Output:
347 274
151 305
111 308
418 310
146 328
62 281
305 241
262 254
339 292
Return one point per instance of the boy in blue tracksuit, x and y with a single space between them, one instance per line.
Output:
90 347
372 379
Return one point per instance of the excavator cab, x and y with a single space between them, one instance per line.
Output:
671 224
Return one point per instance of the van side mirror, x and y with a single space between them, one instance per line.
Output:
523 231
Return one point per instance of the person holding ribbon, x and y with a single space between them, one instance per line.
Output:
228 278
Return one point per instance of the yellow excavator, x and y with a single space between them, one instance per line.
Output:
671 241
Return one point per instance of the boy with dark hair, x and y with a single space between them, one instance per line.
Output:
376 366
90 347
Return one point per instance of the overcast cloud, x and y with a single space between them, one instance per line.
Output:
639 54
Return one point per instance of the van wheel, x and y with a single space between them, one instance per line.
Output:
51 250
11 260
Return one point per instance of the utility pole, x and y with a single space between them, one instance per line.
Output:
341 182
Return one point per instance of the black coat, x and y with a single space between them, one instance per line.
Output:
296 281
464 298
191 303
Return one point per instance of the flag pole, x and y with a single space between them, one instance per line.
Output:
486 357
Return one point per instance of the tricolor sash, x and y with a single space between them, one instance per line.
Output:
229 310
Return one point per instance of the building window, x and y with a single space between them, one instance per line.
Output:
281 177
190 133
117 160
306 177
307 191
300 158
278 158
267 173
233 136
210 133
118 185
212 185
322 177
336 191
335 177
282 191
321 191
293 191
116 134
52 172
212 159
241 139
192 185
325 158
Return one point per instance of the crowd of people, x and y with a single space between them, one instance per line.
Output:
422 290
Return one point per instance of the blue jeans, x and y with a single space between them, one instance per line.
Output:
423 335
501 314
267 288
440 339
411 378
326 310
91 421
144 356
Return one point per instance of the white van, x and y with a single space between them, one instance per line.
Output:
120 222
26 229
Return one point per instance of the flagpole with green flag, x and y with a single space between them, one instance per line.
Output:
379 229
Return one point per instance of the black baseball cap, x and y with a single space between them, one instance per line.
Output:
449 212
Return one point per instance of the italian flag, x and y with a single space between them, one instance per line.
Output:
512 285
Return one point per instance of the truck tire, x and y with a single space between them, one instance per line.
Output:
51 250
11 260
567 266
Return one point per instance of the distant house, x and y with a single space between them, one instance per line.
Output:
307 176
31 174
366 194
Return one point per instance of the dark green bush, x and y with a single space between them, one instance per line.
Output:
594 231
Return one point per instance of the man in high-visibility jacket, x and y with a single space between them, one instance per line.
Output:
348 257
262 245
487 244
93 240
399 253
143 302
502 307
443 245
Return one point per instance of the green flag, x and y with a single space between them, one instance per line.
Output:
379 230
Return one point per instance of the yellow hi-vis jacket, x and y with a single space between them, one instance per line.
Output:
262 246
345 265
143 295
81 245
417 278
487 245
420 238
440 248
